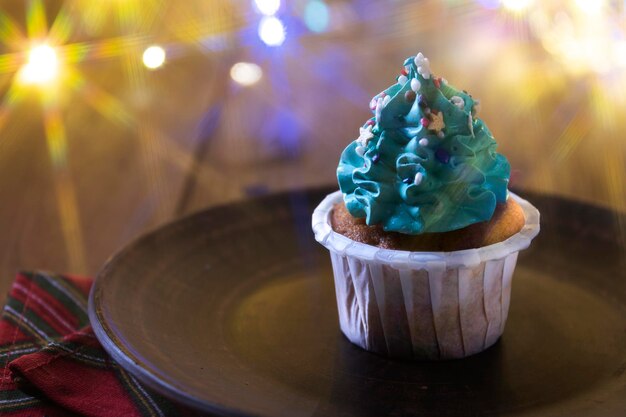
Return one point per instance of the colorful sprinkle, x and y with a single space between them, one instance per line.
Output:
440 134
370 122
386 100
402 79
415 85
437 122
375 158
437 82
442 156
404 71
423 142
422 101
458 102
365 135
410 96
418 178
427 110
379 108
407 180
425 122
423 65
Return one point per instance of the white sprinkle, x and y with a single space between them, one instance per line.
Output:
423 65
402 79
365 135
427 110
360 150
418 178
379 108
458 101
373 103
415 85
386 100
470 123
440 135
423 142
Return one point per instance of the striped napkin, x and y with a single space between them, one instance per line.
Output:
52 364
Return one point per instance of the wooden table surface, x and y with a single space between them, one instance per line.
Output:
130 149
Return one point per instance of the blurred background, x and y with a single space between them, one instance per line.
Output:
119 115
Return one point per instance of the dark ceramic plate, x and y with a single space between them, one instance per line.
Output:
232 311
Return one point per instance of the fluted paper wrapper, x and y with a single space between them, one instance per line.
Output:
422 305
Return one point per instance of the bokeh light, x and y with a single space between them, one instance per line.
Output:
246 73
585 36
154 57
42 66
272 31
591 6
516 5
267 7
489 4
558 67
316 16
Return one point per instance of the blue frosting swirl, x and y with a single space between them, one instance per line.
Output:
424 163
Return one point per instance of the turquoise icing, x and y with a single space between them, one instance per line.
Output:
461 177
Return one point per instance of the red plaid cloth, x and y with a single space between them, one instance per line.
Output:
52 363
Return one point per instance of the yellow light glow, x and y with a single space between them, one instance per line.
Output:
619 53
42 66
154 57
591 6
516 5
246 73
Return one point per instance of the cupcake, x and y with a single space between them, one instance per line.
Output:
423 234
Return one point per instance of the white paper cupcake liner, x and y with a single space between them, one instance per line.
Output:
423 305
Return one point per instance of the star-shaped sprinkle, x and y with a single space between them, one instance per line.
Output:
436 121
365 135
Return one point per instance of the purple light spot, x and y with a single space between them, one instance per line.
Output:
421 101
442 156
375 158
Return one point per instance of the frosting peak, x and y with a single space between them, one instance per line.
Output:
425 162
